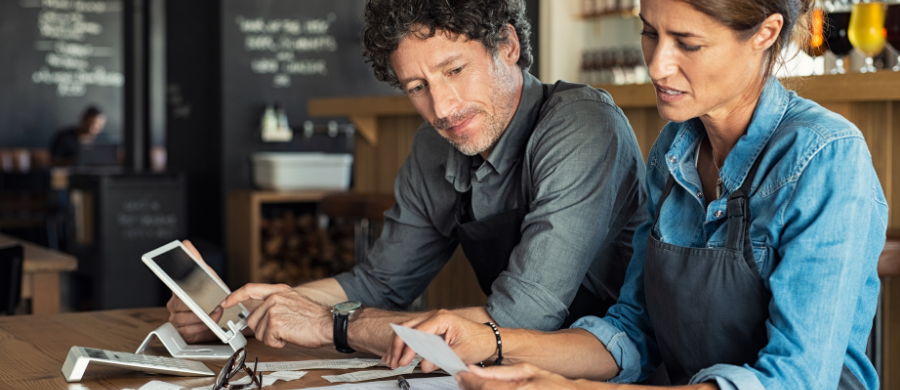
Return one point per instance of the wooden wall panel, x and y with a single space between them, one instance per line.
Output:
455 286
364 166
893 194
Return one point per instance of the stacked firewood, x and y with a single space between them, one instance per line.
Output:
297 250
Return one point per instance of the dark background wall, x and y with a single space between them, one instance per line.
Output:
194 136
54 61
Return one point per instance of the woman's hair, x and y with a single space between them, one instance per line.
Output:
389 21
746 16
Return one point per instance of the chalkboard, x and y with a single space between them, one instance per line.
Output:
133 214
286 51
57 57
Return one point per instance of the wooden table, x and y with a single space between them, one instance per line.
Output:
41 269
33 349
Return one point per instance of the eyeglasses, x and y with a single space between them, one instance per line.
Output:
233 366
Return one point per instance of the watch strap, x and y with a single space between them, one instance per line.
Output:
340 333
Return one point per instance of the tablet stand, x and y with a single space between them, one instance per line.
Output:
180 349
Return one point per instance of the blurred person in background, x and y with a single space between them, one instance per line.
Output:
67 142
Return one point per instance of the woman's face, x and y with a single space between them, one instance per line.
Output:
699 66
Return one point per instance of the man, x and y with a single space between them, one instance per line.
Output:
540 184
67 142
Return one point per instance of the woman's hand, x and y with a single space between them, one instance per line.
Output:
473 342
517 376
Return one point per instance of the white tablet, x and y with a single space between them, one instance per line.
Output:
197 286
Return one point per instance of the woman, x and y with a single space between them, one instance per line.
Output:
757 268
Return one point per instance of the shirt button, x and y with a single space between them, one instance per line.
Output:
673 160
719 213
699 194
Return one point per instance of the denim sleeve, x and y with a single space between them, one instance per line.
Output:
407 256
586 171
626 330
833 231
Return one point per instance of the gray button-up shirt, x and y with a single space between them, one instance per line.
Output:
583 181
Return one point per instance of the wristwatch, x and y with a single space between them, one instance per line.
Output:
342 313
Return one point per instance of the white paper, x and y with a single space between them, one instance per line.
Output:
318 364
431 347
437 383
158 385
286 376
360 376
268 380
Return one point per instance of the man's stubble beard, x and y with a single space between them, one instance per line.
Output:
493 129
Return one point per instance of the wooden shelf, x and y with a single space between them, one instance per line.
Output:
243 229
621 13
844 88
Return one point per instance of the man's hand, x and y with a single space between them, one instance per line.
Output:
185 321
473 342
517 376
189 326
284 316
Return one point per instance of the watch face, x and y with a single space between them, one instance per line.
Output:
347 306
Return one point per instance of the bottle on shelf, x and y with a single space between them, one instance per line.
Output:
274 125
617 66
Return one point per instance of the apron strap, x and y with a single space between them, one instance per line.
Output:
740 218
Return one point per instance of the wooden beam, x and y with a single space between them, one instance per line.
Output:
371 105
367 125
844 88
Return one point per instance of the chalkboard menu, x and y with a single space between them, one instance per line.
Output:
132 215
56 58
286 52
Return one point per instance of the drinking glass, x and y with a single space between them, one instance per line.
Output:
892 25
866 31
836 38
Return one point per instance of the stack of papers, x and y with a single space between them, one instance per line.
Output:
268 380
338 364
360 376
438 383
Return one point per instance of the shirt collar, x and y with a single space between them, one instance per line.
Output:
510 148
770 110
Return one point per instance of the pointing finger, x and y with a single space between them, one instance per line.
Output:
257 291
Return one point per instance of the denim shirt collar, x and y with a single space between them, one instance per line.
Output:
770 110
509 148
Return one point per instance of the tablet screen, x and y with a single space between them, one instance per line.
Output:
197 284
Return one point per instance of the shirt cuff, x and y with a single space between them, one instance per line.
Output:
729 377
618 344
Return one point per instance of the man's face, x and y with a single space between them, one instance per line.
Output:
95 124
465 92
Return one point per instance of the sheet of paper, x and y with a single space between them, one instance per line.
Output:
286 376
431 347
319 364
157 385
437 383
360 376
268 380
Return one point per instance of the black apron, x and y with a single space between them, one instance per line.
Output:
489 243
709 306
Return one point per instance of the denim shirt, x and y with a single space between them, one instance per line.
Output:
819 224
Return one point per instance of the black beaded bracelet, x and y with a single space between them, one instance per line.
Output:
499 343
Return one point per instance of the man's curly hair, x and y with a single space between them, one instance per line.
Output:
389 21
